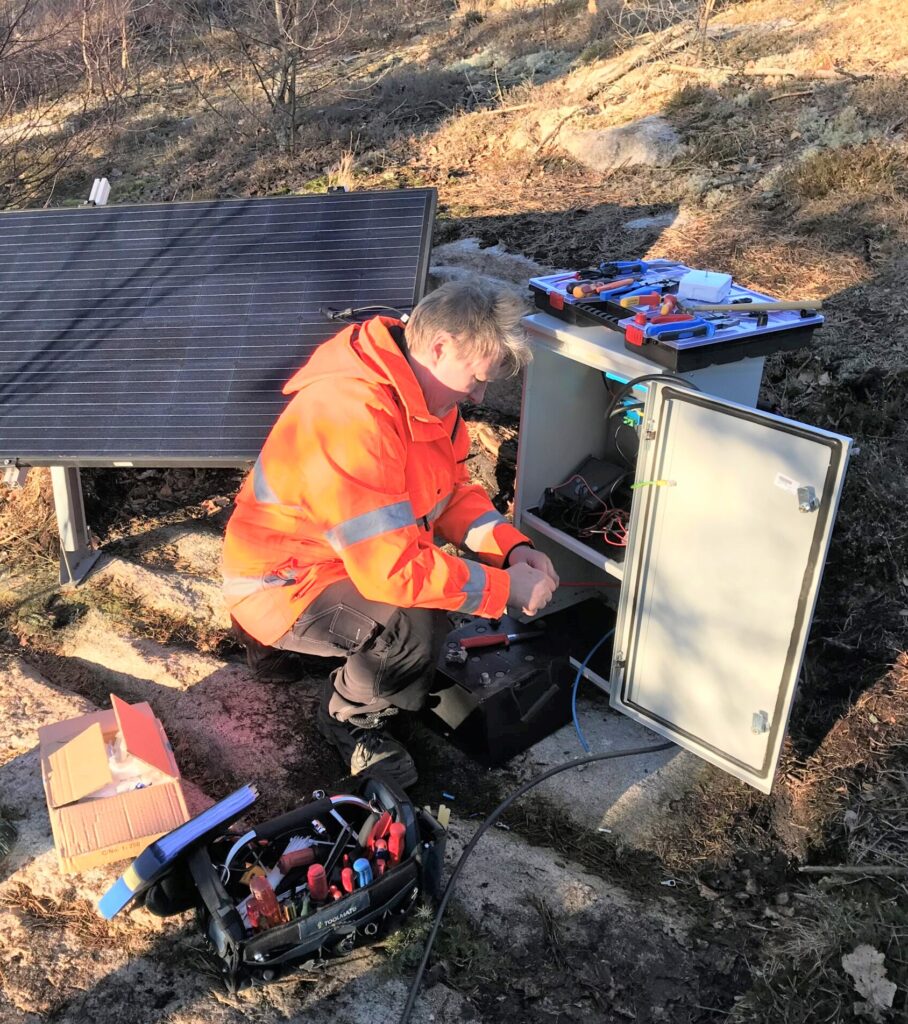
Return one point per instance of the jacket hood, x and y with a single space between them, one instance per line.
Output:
369 352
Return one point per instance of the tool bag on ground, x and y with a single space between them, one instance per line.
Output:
309 886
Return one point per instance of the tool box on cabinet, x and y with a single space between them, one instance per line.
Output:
627 295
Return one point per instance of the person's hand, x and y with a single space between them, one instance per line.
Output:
535 559
531 589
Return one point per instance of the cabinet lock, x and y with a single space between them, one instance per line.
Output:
807 499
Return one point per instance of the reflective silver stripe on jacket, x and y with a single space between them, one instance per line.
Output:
439 507
371 524
474 588
242 586
260 486
479 531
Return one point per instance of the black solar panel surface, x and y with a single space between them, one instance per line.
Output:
163 334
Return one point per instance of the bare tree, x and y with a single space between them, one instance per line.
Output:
107 40
278 43
39 135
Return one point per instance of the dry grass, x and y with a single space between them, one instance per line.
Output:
29 546
342 174
802 981
43 912
762 253
877 825
882 101
852 773
868 170
131 613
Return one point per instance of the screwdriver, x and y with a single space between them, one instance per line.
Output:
497 639
396 841
588 288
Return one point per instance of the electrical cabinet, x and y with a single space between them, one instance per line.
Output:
730 516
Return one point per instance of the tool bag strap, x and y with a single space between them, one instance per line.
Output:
218 904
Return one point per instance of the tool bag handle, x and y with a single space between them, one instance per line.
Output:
294 819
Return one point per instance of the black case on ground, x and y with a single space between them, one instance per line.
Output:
502 700
331 931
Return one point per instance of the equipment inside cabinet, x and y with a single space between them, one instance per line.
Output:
697 523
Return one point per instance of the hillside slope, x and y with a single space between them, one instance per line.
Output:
774 147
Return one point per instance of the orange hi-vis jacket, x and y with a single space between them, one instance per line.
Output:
355 481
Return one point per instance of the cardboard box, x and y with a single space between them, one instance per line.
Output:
75 764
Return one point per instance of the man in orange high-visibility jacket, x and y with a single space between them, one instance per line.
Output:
331 549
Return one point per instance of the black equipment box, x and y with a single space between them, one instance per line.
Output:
213 875
503 699
723 338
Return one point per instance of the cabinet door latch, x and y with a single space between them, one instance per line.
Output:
807 499
760 722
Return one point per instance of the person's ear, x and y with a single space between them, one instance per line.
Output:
440 345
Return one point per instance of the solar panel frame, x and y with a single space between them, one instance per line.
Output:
109 337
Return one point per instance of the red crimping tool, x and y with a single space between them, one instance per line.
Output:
636 334
667 326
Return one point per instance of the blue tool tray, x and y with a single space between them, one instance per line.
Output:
782 330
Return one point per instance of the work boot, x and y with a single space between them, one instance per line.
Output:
274 666
271 665
364 745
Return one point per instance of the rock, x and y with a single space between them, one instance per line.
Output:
658 220
28 702
717 196
866 967
197 602
650 142
466 256
541 64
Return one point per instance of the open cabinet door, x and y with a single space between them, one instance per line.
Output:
732 515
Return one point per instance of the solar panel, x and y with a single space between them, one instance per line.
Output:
162 335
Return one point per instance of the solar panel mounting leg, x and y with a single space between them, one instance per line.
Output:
77 555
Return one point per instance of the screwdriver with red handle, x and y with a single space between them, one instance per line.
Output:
497 639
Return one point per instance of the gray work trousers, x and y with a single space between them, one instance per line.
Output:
389 653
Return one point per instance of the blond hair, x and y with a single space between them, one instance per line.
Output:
484 319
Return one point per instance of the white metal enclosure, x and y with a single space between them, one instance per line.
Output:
728 538
728 533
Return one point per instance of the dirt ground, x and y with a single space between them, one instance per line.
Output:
790 175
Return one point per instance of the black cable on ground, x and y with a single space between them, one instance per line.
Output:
489 821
